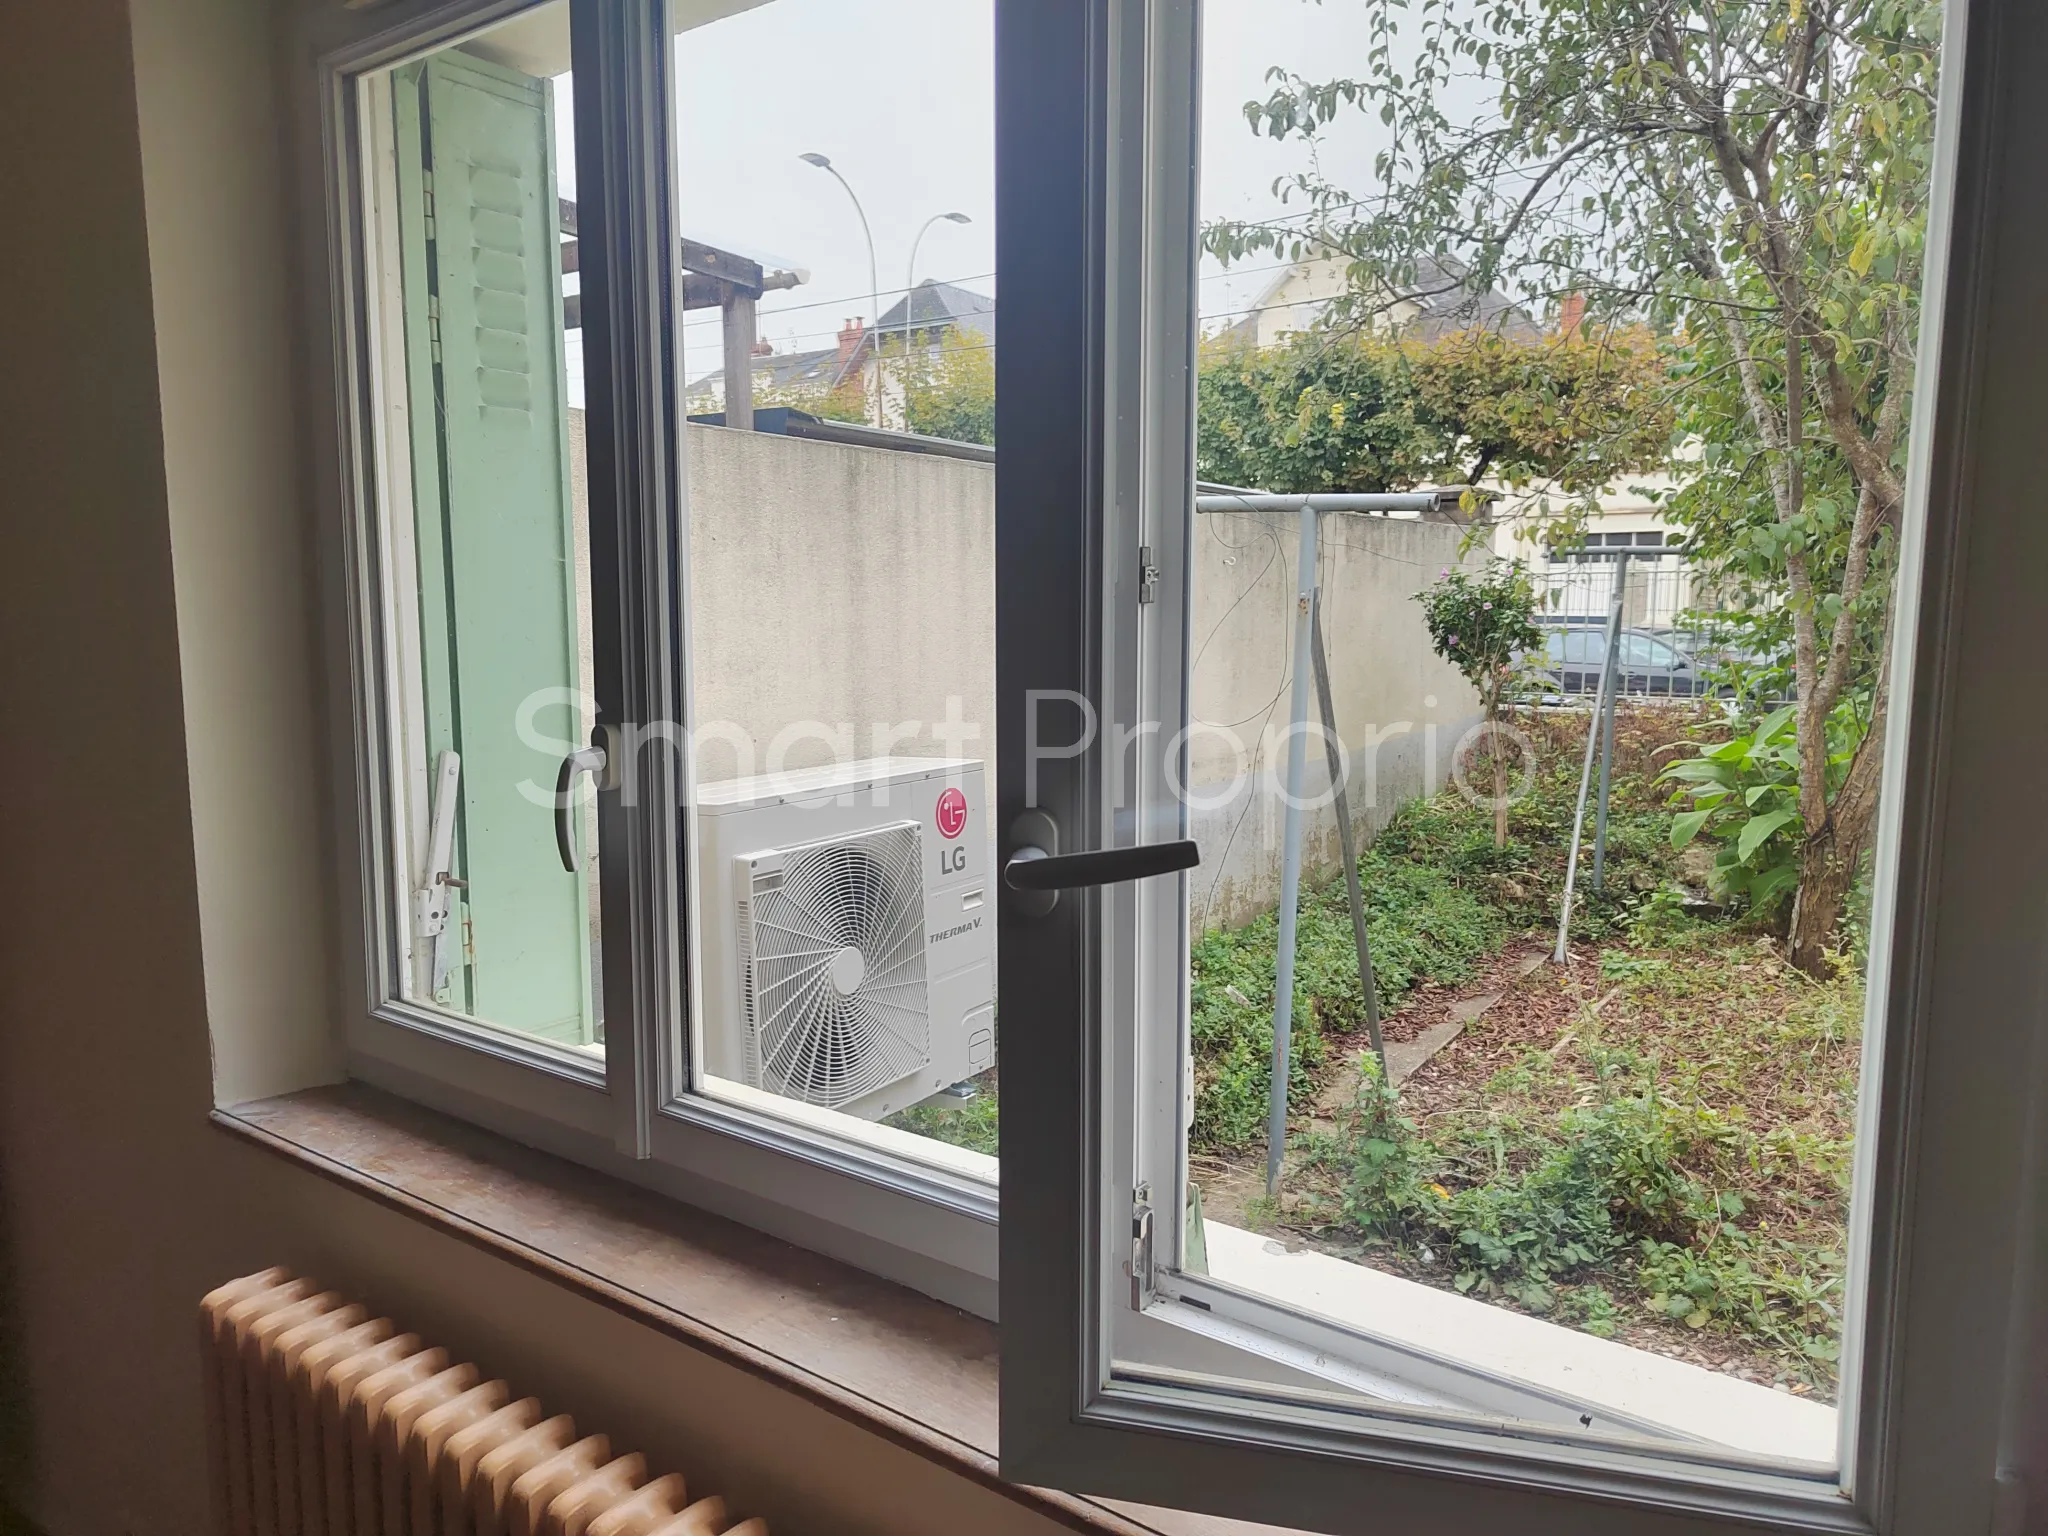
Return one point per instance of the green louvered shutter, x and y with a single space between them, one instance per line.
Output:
481 250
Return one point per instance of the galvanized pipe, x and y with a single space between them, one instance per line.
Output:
1290 838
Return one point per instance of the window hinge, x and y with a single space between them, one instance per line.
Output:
1148 576
1141 1248
427 202
434 326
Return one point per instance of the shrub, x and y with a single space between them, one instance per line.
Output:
1483 623
1745 793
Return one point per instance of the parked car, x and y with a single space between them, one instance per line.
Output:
1572 657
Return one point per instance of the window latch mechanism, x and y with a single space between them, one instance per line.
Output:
433 902
1141 1248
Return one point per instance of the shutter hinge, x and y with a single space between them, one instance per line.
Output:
1148 576
1141 1248
427 203
434 326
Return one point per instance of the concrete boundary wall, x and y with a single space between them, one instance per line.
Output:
843 604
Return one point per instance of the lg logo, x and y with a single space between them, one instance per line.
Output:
951 817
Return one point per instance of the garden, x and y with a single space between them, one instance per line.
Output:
1649 1143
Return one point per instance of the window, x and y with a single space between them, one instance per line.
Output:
1237 1280
1576 647
735 733
1644 651
676 581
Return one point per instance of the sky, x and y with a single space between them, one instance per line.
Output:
899 94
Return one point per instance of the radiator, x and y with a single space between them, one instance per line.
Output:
324 1420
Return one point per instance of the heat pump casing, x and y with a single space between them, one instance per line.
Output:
782 858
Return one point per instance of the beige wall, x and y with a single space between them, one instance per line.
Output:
161 879
1400 708
854 588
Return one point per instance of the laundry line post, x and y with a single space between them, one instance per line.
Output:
1308 509
1607 731
1600 700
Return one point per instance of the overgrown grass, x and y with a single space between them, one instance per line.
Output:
972 1123
1681 1155
1440 900
1678 1159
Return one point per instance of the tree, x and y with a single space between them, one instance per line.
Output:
1481 622
1754 176
1356 410
953 394
848 402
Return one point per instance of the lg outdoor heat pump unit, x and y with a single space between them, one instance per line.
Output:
849 937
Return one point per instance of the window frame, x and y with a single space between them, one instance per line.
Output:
1943 1129
629 1114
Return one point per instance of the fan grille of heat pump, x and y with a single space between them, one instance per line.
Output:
807 1039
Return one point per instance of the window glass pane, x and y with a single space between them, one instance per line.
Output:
1642 651
840 534
1585 645
1623 1177
480 511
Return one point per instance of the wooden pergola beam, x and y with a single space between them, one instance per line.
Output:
712 279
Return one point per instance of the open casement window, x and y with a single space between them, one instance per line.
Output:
1223 1362
503 930
672 772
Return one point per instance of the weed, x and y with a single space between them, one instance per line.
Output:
972 1123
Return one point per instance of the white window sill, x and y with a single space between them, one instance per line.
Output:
1690 1400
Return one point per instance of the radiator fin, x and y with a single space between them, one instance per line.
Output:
324 1420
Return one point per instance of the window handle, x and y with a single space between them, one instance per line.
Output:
1031 868
1037 871
596 762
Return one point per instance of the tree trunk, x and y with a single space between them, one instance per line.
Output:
1500 786
1829 858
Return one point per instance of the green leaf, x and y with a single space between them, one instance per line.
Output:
1771 883
1774 722
1686 826
1757 831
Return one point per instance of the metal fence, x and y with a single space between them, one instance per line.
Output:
1662 652
1659 589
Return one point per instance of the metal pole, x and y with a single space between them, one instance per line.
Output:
1571 868
1349 843
909 289
1607 745
1290 848
874 276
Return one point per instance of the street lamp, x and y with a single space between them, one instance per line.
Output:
909 291
812 157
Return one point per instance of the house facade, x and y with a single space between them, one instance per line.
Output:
865 371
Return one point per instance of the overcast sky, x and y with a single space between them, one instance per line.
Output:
900 95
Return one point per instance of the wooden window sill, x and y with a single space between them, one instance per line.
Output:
915 1371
